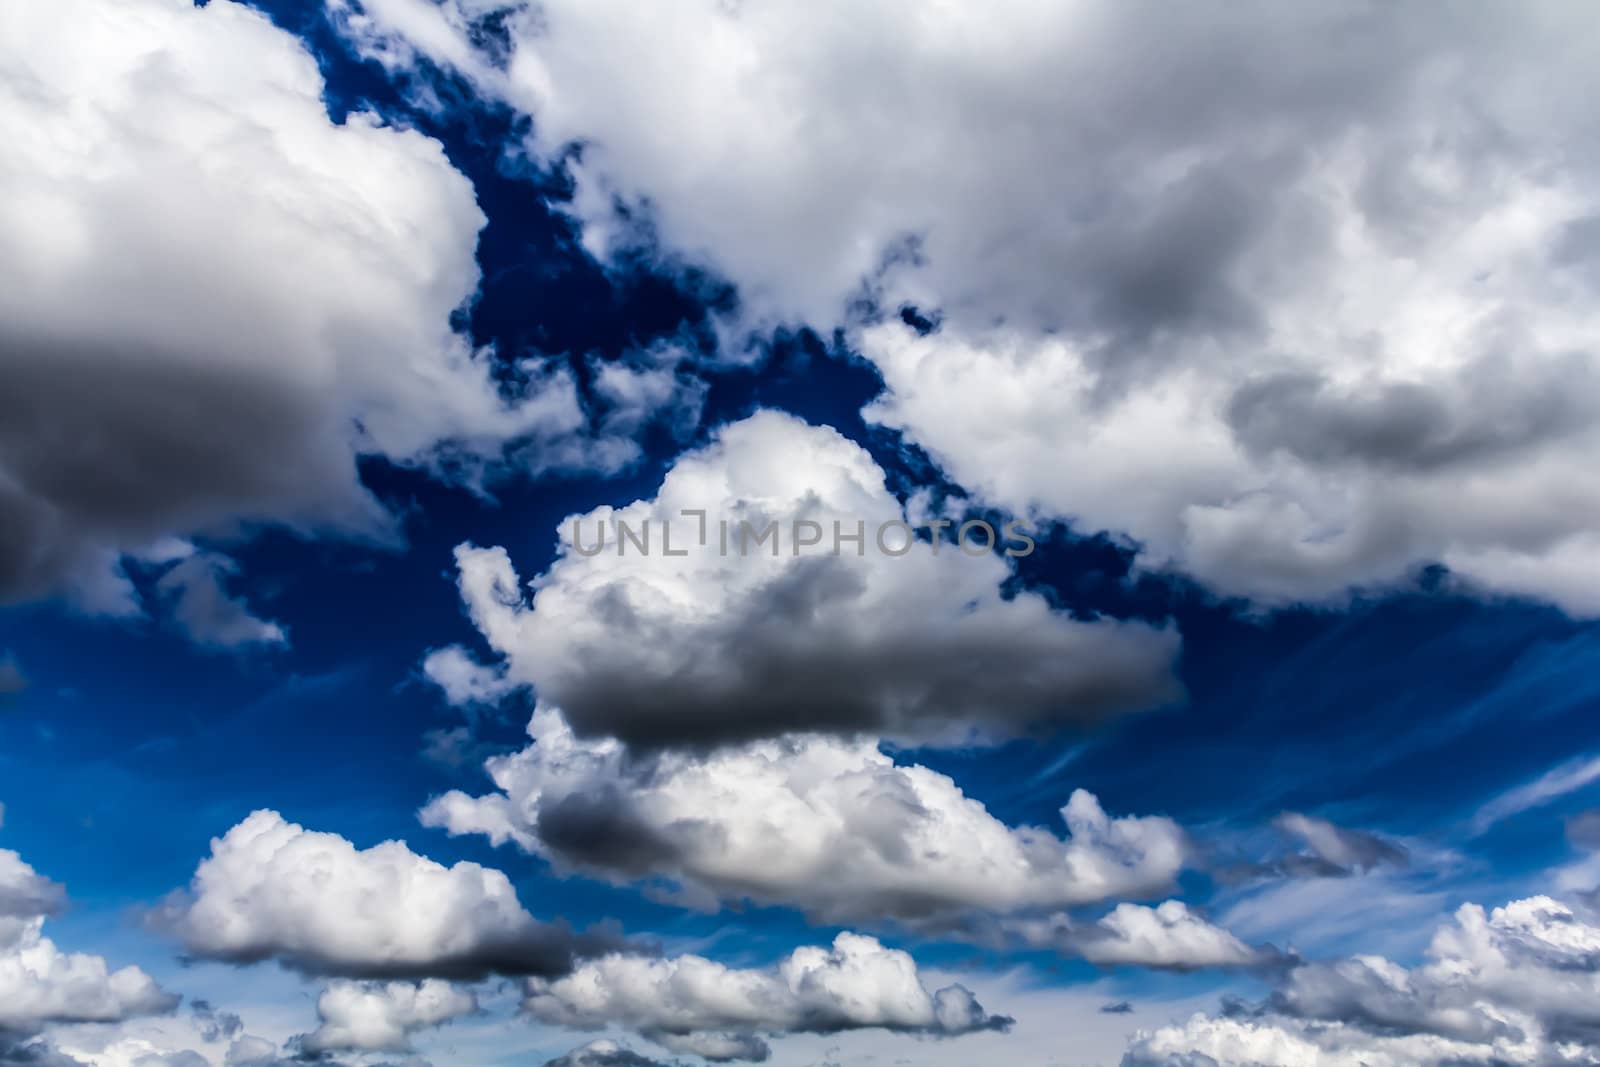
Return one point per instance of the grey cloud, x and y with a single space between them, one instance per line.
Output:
864 836
720 647
603 1054
1494 413
202 606
206 356
1583 829
1333 851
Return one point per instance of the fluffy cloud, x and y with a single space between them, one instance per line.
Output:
1300 299
226 297
274 890
834 827
1209 1041
381 1017
1515 985
40 984
690 1004
695 642
206 1038
1168 937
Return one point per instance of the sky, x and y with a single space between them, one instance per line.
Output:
585 534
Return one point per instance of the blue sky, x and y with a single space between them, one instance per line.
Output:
1300 416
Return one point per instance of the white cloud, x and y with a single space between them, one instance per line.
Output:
698 643
274 890
1552 785
833 827
1516 985
691 1004
1168 936
382 1016
1299 299
224 297
203 1037
39 983
1231 1042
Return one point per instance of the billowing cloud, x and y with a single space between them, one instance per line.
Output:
831 826
382 1016
313 901
691 1004
712 636
1301 300
1169 936
1515 985
224 298
40 984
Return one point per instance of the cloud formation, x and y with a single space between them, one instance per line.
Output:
711 644
227 298
1515 985
603 1053
382 1016
42 985
1332 850
272 889
204 609
1300 300
833 827
1169 936
693 1005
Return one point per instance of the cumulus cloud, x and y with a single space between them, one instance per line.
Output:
227 299
1168 936
603 1053
272 889
691 1004
381 1017
1515 985
712 637
208 1037
831 826
1300 300
42 985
